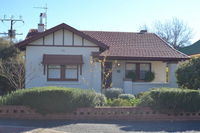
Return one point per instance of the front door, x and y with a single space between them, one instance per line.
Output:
107 75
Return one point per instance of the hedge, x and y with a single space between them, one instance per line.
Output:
112 93
126 96
53 99
188 74
172 99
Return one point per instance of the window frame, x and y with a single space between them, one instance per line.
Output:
62 73
137 69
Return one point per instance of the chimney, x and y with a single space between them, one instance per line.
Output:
143 31
41 25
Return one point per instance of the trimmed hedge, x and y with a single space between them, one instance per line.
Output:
112 93
172 99
126 96
53 99
118 102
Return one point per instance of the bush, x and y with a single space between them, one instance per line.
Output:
126 96
113 92
188 74
149 76
172 99
52 99
131 75
118 102
100 99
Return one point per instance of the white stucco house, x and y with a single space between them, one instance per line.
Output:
65 56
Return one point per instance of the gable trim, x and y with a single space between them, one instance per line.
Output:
24 43
63 46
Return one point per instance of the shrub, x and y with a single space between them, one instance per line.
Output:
188 74
172 99
126 96
100 99
149 76
118 102
113 92
131 75
51 99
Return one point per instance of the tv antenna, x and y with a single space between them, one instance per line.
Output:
11 32
44 14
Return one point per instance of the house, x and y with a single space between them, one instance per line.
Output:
65 56
192 50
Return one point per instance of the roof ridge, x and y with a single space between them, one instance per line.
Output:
115 31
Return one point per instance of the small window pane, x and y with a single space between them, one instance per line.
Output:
54 67
71 72
144 68
54 74
131 67
71 66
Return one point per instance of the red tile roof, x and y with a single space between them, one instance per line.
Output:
32 32
129 45
122 45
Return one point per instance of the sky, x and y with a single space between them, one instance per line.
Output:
100 15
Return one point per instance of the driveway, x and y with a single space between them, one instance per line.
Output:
35 126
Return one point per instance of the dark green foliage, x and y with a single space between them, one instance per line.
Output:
188 74
8 52
51 99
126 96
149 76
4 86
172 100
131 75
113 92
118 102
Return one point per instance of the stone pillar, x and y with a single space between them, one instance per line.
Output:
172 75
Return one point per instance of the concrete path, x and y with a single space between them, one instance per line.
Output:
33 126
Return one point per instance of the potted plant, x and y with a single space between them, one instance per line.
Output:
149 76
131 75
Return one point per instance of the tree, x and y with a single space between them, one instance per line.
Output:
188 74
11 67
174 31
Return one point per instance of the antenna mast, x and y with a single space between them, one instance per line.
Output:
45 16
11 32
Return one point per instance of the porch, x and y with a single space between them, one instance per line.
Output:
164 75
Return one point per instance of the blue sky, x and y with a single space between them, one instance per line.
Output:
106 15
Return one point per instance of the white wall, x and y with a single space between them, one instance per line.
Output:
91 74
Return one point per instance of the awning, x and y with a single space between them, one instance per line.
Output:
62 59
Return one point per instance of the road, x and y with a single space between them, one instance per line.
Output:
35 126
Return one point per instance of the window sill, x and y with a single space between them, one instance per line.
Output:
142 81
62 80
52 83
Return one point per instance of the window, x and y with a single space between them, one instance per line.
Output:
62 73
54 72
130 67
140 70
144 68
71 72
